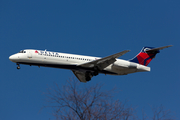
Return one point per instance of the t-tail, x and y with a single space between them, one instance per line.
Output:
147 54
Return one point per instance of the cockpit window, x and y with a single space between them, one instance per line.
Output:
22 51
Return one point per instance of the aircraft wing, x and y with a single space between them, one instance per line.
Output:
99 63
81 76
103 62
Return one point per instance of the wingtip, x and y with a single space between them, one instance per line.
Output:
169 45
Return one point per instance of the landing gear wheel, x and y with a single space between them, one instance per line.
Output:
88 78
88 74
96 69
95 73
18 67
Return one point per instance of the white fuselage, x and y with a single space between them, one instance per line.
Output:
71 61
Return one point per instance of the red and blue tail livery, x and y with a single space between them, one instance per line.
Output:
147 54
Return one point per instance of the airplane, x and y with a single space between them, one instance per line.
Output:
85 67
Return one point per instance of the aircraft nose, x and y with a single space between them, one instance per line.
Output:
13 58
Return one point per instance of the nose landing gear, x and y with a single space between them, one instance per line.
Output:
18 67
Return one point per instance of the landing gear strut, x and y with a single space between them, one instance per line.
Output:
96 69
18 67
88 74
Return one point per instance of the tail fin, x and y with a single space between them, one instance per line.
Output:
147 54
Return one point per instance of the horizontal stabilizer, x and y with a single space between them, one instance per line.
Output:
159 48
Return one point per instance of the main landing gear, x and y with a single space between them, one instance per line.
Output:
18 67
89 75
96 71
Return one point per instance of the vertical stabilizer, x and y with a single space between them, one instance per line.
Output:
147 54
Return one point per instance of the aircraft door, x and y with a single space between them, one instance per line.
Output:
29 54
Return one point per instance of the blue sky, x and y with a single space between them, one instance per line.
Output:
95 28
